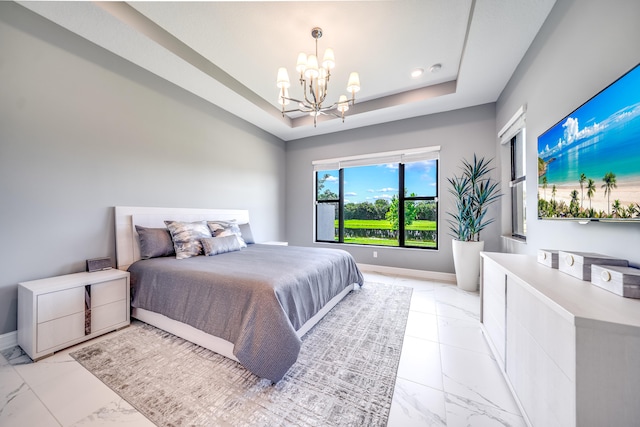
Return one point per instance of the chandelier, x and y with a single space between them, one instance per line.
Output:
314 80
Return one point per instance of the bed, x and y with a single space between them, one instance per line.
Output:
251 305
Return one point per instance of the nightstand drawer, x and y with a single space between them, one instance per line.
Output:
58 312
108 292
108 315
59 331
59 304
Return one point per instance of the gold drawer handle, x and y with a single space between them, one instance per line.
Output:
569 259
605 275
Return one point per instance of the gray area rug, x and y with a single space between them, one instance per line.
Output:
345 374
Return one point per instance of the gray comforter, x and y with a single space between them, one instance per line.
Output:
256 298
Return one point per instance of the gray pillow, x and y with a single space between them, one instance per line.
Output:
155 242
186 237
226 228
220 245
247 235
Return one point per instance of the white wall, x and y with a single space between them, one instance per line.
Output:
583 46
460 134
82 130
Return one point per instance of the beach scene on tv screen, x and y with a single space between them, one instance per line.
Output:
589 162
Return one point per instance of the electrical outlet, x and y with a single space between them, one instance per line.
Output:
375 254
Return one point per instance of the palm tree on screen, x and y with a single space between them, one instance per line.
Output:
618 210
583 179
609 184
591 190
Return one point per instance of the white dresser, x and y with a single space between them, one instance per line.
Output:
61 311
569 350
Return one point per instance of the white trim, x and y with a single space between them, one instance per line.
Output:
515 123
420 274
8 340
398 156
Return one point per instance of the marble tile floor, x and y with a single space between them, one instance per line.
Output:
446 377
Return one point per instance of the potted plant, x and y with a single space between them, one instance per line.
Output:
474 191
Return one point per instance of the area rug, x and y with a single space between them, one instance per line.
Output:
344 376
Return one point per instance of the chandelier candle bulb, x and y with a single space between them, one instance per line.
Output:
343 103
312 67
301 66
328 60
323 77
283 78
354 84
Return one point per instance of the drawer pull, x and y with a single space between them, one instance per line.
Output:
569 259
605 276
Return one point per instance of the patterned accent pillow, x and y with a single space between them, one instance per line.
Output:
220 245
186 237
155 242
226 228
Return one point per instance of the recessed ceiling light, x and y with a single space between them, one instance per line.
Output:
435 68
417 72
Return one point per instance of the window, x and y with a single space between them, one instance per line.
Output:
358 200
512 136
518 187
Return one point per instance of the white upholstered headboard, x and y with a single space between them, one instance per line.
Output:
127 217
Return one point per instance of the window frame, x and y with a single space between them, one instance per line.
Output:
402 199
516 181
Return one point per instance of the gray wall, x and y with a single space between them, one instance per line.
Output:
459 133
583 46
82 130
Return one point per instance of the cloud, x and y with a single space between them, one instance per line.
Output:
351 194
573 133
331 178
387 190
371 190
384 196
571 129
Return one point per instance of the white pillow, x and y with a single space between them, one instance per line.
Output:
226 228
220 245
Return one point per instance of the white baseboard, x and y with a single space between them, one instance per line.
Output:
10 339
420 274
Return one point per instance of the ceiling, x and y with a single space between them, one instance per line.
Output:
228 53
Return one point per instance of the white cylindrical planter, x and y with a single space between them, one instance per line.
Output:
466 260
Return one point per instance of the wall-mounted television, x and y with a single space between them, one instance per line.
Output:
589 162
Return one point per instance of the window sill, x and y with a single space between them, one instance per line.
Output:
513 244
513 239
376 247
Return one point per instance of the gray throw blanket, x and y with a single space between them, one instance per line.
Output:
256 298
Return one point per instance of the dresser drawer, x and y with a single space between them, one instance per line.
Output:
108 292
108 315
61 303
56 332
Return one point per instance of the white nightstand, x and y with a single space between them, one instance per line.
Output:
58 312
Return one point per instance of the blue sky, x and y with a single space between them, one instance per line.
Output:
617 103
369 183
